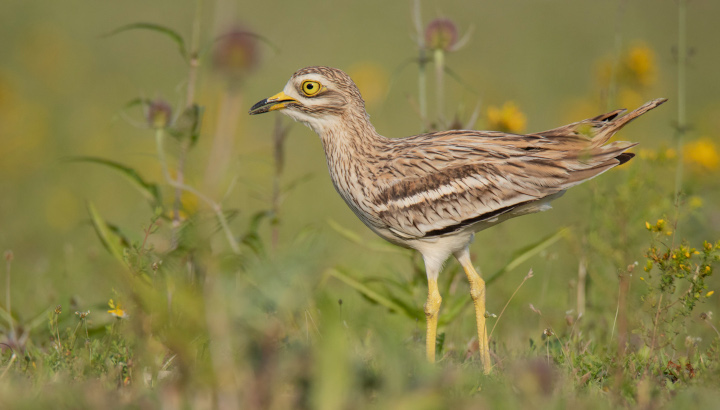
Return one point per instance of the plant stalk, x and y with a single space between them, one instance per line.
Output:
439 59
682 65
193 63
159 136
422 60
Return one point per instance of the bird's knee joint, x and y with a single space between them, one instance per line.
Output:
432 306
477 290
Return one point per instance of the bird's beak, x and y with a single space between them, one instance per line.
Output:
276 102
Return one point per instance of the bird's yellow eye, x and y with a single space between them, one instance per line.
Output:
310 88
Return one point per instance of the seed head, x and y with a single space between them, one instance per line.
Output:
159 114
236 53
547 333
441 34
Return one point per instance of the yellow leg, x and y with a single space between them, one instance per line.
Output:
432 307
477 292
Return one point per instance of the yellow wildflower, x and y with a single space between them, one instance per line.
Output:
635 68
640 64
372 80
695 202
702 153
508 118
709 293
117 310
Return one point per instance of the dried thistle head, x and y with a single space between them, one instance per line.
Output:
547 333
236 53
441 34
158 114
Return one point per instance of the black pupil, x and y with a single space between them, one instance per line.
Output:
310 86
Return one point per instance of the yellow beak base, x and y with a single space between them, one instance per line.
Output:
274 103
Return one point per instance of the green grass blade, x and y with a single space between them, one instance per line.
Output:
7 316
39 319
170 33
149 190
110 240
526 253
371 294
356 239
458 304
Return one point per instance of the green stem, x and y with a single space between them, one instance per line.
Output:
439 58
8 305
682 119
159 136
613 86
193 63
422 90
422 60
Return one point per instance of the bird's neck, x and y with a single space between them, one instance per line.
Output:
352 148
350 138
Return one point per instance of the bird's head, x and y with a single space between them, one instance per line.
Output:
317 96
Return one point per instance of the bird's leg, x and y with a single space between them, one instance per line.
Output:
477 292
432 307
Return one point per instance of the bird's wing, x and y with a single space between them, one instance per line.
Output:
438 183
454 182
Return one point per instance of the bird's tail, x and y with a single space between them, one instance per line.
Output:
598 157
608 124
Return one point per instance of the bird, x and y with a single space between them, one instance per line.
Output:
432 192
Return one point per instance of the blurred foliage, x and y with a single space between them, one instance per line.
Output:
247 283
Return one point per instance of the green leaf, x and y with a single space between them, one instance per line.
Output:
111 241
150 191
455 76
296 182
172 34
188 124
526 253
252 237
376 297
135 102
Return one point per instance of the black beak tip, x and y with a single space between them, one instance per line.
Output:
259 108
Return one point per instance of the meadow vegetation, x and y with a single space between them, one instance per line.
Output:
164 250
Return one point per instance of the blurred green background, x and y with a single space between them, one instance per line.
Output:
64 83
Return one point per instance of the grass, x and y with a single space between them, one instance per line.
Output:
134 280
